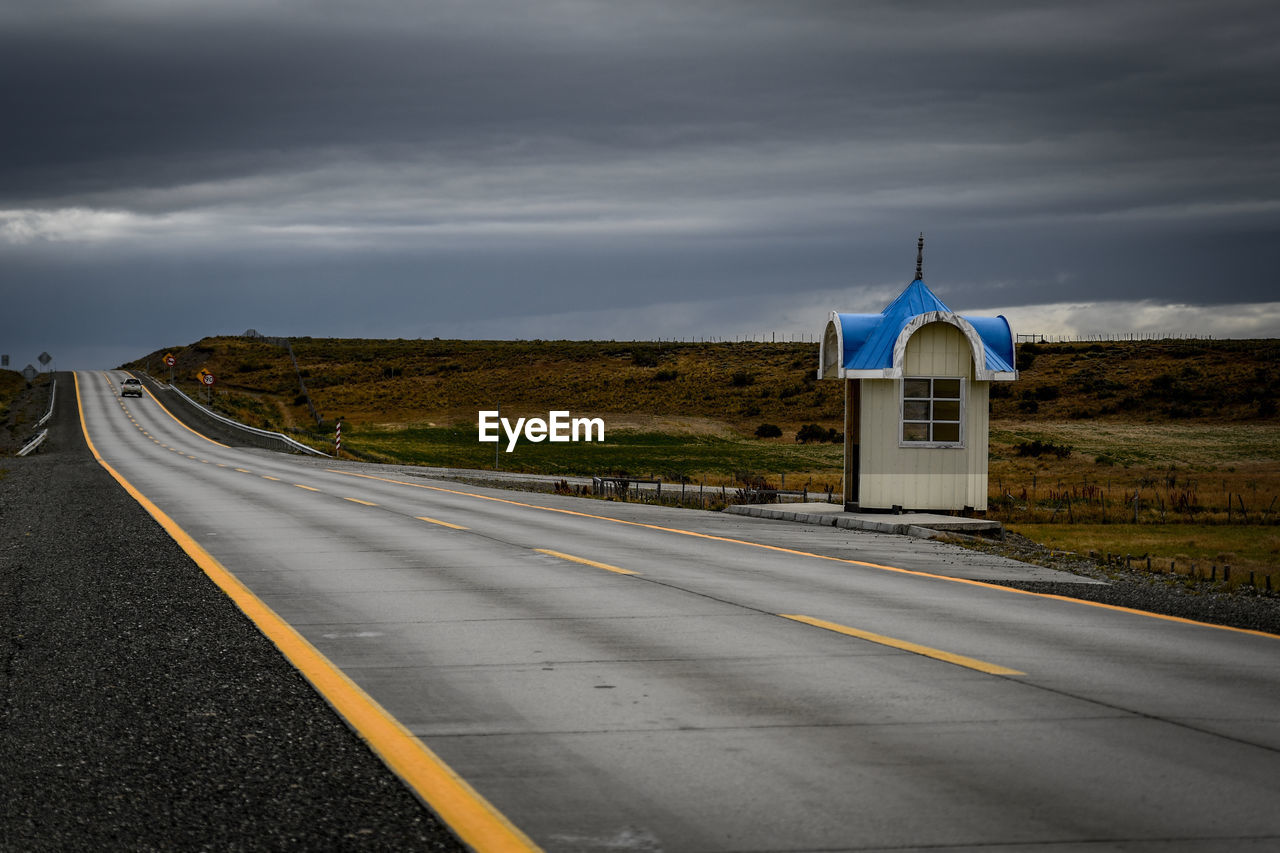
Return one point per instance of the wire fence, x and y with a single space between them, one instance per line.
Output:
1102 337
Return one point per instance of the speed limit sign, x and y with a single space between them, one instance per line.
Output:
206 377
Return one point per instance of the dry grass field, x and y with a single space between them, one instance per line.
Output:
1184 433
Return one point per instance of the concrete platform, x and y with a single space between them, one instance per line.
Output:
924 525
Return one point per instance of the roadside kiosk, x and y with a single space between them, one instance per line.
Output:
916 378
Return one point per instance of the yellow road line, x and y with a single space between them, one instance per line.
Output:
308 488
904 645
467 813
265 477
585 562
778 549
178 422
244 470
358 501
442 523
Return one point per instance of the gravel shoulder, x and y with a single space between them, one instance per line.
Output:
140 710
1187 598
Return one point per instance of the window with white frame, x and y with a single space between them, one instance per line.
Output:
932 411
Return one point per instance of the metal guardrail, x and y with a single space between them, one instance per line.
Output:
34 443
39 439
296 445
622 486
53 395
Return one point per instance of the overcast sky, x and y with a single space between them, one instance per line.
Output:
614 169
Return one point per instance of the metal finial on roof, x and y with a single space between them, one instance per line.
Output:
920 257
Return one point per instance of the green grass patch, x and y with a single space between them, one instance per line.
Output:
633 453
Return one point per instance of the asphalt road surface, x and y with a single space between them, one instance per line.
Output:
619 677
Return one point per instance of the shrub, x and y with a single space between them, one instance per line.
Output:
768 431
665 375
644 357
742 379
812 433
1038 448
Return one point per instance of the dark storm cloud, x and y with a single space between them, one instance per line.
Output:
484 163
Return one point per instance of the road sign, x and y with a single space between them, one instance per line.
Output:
4 361
169 359
44 359
29 372
206 377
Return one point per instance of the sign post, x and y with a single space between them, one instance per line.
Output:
337 438
171 361
206 379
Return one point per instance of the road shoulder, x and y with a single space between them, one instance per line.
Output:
141 709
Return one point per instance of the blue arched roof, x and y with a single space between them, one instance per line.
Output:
871 344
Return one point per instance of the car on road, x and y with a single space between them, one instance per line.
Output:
131 387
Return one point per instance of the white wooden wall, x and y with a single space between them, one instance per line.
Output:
916 477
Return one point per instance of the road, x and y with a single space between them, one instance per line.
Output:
621 677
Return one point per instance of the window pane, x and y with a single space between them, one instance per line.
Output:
946 432
946 410
915 410
947 388
915 388
915 432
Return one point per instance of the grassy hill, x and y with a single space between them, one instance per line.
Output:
693 387
722 388
1144 381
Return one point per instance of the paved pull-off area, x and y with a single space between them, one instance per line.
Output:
618 677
